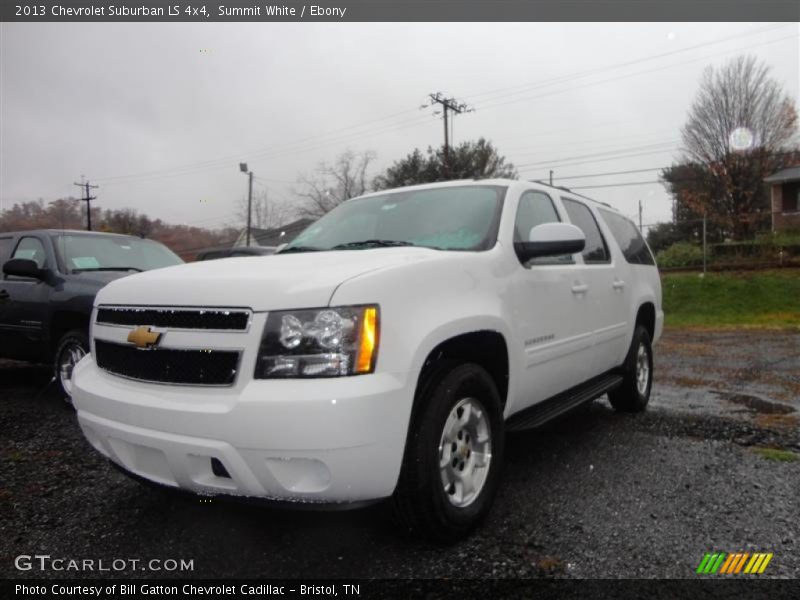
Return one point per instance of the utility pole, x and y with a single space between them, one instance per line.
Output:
640 214
704 244
551 176
448 104
243 169
85 187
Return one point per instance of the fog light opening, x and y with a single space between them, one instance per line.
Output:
219 469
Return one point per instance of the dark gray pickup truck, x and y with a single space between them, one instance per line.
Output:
48 285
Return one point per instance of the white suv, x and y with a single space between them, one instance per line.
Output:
383 353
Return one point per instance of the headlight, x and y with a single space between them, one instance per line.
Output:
320 342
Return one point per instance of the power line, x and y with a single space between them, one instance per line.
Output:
654 145
213 164
608 173
621 156
225 164
542 83
627 75
592 187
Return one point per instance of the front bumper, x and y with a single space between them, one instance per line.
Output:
320 440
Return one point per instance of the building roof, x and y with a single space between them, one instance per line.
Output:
784 175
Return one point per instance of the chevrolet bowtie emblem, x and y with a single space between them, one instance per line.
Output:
142 337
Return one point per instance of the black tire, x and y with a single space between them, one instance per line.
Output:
69 346
421 504
632 395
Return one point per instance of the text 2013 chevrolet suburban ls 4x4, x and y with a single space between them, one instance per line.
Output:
383 353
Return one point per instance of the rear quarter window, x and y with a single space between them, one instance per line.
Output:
628 238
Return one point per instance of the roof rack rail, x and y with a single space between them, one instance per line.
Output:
566 189
558 187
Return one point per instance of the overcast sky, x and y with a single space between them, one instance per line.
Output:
159 115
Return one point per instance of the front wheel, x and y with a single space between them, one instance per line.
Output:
637 371
453 456
72 347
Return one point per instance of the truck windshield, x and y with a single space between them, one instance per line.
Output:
450 218
111 253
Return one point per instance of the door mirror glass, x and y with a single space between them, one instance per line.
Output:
22 267
551 239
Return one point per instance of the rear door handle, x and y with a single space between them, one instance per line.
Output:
579 288
4 295
618 284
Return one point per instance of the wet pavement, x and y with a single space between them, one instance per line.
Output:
711 466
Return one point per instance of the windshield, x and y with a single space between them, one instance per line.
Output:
450 218
111 253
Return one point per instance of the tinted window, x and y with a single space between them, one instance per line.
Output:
5 248
534 209
596 250
32 249
629 239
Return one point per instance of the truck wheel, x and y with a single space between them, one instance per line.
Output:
72 347
637 370
453 455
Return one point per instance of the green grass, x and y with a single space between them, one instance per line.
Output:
769 299
778 455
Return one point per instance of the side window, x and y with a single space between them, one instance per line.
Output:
629 239
5 249
596 250
32 249
536 208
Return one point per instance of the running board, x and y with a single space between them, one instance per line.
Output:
549 409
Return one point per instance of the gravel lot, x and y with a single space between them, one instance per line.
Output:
594 495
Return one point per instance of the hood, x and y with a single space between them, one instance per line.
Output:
98 278
263 283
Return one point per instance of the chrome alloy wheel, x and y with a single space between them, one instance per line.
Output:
642 370
69 357
465 452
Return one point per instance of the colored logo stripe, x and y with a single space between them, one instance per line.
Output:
735 563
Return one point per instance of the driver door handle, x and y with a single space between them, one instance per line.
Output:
618 284
4 295
579 288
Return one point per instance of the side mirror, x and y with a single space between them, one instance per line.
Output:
551 239
22 267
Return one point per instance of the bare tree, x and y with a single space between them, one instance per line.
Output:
740 129
267 213
331 184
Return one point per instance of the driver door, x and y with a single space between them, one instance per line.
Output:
26 304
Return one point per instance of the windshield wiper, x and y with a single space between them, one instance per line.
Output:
107 269
299 249
371 244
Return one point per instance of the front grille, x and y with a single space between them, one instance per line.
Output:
168 365
175 318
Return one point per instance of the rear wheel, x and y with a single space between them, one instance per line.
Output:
454 451
72 347
637 370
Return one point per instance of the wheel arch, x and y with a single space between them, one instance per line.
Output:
487 348
646 316
66 320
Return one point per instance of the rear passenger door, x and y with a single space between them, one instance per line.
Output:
607 290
